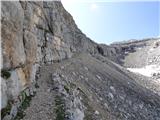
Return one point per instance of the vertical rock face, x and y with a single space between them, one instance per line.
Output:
35 33
4 98
12 35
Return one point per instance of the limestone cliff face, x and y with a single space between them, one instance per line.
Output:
39 32
34 33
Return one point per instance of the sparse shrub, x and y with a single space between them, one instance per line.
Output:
60 108
5 74
6 110
25 103
66 88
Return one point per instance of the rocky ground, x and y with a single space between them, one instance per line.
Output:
42 105
101 92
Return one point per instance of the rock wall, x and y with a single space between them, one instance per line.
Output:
35 33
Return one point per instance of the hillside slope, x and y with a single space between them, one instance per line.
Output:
91 90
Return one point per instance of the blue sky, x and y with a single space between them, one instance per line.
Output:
106 22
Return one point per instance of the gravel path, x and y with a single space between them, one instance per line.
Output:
42 105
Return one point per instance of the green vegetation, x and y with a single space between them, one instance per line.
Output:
25 103
66 88
6 111
5 74
60 108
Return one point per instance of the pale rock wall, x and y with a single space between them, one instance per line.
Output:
35 33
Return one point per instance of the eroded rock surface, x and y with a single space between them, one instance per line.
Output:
35 33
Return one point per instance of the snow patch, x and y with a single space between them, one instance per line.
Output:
148 70
78 114
151 49
139 48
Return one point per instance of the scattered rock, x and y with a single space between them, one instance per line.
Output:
96 112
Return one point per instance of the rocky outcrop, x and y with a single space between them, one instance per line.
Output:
129 53
35 33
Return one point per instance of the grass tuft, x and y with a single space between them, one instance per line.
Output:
60 108
25 103
66 88
6 111
5 74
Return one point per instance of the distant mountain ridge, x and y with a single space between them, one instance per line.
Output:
134 40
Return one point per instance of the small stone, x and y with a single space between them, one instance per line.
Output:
81 76
62 67
48 90
100 98
111 95
13 112
73 73
106 105
141 106
27 92
121 97
96 112
86 68
98 77
31 91
112 88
